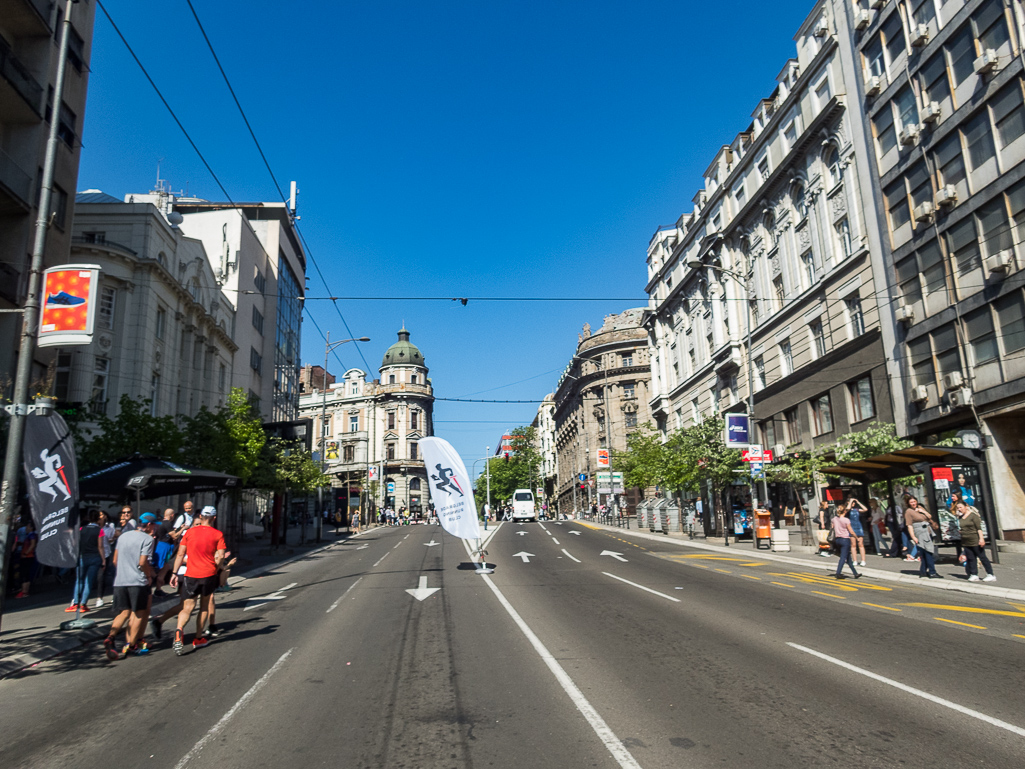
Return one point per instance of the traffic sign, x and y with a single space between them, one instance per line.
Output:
583 476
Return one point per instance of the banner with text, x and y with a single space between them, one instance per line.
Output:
51 476
451 492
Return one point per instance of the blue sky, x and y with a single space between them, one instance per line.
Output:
495 149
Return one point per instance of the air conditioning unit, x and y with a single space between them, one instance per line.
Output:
822 27
778 450
930 112
960 398
909 134
986 63
919 394
923 212
946 196
873 85
919 35
862 19
905 314
999 262
953 381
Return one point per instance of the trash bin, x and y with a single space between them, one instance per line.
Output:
659 520
672 518
763 528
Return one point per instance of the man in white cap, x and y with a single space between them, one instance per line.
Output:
206 551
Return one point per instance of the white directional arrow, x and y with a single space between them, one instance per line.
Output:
525 556
575 532
522 533
258 601
432 543
422 591
363 547
617 556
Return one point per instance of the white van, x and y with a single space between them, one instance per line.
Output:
523 505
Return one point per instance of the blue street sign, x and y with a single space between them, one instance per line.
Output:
583 476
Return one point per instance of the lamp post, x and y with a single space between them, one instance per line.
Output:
328 347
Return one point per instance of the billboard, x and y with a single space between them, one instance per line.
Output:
603 457
68 311
737 431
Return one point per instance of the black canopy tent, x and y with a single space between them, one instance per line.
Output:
920 460
149 478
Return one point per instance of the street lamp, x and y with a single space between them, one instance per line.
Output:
328 347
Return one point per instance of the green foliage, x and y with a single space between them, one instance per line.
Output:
132 431
507 475
288 466
877 438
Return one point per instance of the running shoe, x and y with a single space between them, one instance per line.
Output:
989 578
156 626
71 609
99 603
179 642
141 649
64 299
108 645
212 632
199 642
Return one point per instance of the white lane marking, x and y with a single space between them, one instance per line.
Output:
335 604
911 690
642 587
570 557
541 525
363 547
242 702
555 540
380 559
422 591
525 556
432 543
605 734
260 600
617 556
404 539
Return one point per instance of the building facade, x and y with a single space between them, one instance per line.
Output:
940 88
163 327
601 398
769 286
29 45
373 427
544 442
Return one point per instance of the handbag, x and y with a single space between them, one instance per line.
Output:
831 536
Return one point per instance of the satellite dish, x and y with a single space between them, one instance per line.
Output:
175 218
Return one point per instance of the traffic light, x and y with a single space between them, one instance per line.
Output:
506 456
582 486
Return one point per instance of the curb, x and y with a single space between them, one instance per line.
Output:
18 662
959 586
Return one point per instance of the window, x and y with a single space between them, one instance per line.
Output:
630 420
978 140
161 323
769 223
62 377
897 205
260 282
862 404
183 344
818 339
768 434
414 484
389 451
994 229
981 338
627 359
823 93
629 390
944 342
1011 316
413 379
790 136
740 195
808 262
255 360
354 423
391 420
98 395
414 420
777 291
348 453
855 316
760 372
800 202
793 420
822 414
923 11
413 451
845 245
221 377
258 320
66 123
695 412
934 81
354 388
391 379
960 50
714 397
763 168
786 358
921 361
872 57
59 206
1008 114
154 395
834 168
990 25
949 162
886 133
963 246
893 38
105 314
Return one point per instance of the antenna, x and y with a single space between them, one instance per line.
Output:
160 182
293 191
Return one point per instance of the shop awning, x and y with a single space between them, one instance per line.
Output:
901 463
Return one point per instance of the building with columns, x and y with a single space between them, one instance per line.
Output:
372 429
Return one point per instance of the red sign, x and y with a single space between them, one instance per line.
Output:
942 474
68 304
603 457
834 495
750 456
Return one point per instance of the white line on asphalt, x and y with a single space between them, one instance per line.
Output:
542 525
350 587
570 557
642 587
243 700
555 540
605 734
380 559
404 539
911 690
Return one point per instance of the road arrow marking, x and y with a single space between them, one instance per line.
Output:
617 556
522 533
260 600
432 543
422 591
363 547
569 556
525 556
575 532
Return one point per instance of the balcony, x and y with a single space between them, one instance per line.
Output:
27 18
405 387
15 186
97 244
20 94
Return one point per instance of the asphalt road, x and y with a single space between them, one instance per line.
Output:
647 655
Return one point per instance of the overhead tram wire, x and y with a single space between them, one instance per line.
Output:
277 185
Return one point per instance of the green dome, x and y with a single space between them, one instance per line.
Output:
403 353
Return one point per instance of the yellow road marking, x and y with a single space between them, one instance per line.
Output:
877 606
829 594
702 567
749 576
823 579
781 584
967 609
1017 636
724 571
954 622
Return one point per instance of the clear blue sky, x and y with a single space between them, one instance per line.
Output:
446 149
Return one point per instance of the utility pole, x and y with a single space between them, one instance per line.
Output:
30 316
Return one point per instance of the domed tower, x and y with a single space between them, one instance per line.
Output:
405 409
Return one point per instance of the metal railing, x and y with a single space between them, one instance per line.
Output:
15 179
15 73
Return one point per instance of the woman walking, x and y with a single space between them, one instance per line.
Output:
877 525
854 511
90 560
973 542
842 534
920 528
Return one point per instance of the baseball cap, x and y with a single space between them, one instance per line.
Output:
209 511
148 518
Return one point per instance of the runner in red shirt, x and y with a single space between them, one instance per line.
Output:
203 551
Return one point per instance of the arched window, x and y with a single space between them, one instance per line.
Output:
414 484
833 167
800 200
769 222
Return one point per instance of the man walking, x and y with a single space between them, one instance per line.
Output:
204 547
132 587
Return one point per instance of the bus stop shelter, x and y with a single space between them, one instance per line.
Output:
945 470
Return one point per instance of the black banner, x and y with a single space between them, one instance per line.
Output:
51 477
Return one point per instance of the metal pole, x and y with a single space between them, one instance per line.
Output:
608 432
487 473
30 318
323 435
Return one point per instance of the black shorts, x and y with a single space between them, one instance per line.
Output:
131 598
194 587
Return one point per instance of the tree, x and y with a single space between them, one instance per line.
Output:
288 466
230 439
133 431
877 438
516 472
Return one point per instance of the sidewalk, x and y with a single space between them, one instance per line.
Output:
1010 572
31 627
